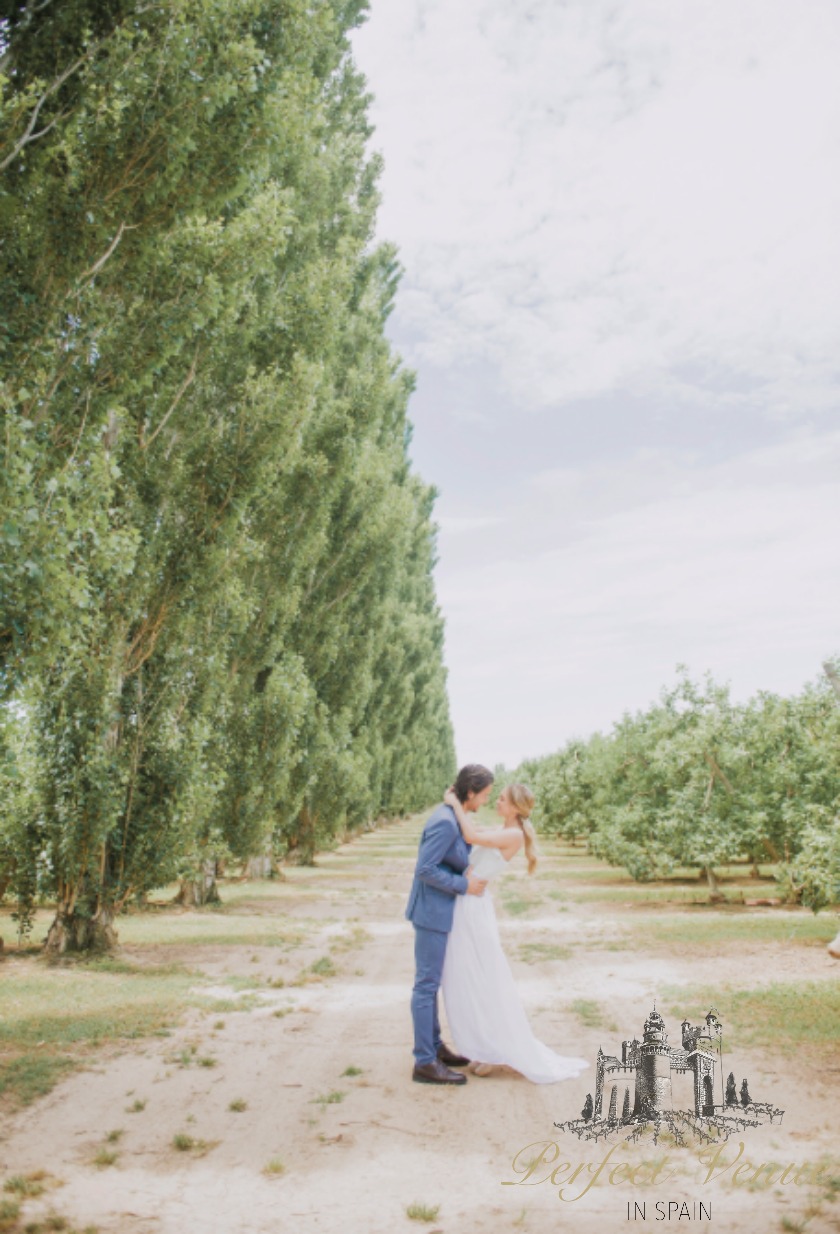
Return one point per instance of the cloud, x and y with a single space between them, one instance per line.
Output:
731 567
596 197
620 218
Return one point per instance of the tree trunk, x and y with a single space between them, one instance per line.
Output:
73 932
201 889
711 879
302 847
260 867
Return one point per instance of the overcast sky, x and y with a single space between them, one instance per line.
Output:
619 229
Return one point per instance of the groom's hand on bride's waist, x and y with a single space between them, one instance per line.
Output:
475 886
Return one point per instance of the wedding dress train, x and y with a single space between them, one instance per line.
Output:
485 1013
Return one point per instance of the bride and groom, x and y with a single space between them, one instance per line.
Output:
457 946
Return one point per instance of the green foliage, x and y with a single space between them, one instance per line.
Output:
814 876
218 628
697 780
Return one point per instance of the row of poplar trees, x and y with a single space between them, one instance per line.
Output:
219 631
699 780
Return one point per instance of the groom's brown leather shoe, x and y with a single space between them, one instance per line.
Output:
436 1073
449 1058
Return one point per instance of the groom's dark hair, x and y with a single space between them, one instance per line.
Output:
471 779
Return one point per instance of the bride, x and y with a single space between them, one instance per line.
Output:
485 1013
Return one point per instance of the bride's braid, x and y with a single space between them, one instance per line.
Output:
522 799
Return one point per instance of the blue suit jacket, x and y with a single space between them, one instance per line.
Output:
439 875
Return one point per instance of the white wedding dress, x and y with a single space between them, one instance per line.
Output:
485 1014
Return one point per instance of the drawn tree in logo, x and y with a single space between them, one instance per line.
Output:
731 1094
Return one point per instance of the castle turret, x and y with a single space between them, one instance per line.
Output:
653 1090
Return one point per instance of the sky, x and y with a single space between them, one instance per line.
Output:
621 300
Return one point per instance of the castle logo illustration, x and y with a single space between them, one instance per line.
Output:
644 1080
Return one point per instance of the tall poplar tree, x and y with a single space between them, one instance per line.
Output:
206 488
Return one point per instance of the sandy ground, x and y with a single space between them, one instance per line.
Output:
358 1163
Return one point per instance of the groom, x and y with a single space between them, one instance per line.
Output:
439 876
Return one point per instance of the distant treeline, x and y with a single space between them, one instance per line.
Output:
700 781
218 630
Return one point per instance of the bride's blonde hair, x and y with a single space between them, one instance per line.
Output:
522 800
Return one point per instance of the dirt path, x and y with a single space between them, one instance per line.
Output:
358 1161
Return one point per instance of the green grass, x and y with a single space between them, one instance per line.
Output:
422 1212
356 938
105 1157
75 1006
761 926
332 1098
29 1185
654 893
72 1010
591 1014
30 1076
184 1143
351 1070
136 1106
273 1167
184 1058
238 1106
238 981
537 953
517 905
775 1017
323 967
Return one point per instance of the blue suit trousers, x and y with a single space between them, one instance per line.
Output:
429 952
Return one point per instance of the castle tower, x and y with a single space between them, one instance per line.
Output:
653 1087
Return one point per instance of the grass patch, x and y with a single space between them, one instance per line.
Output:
238 1106
351 1070
760 926
332 1098
105 1157
537 953
422 1212
73 1008
236 982
221 927
323 967
517 905
27 1185
184 1143
774 1017
273 1167
114 1137
591 1014
647 893
357 937
246 1003
136 1106
184 1058
30 1076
